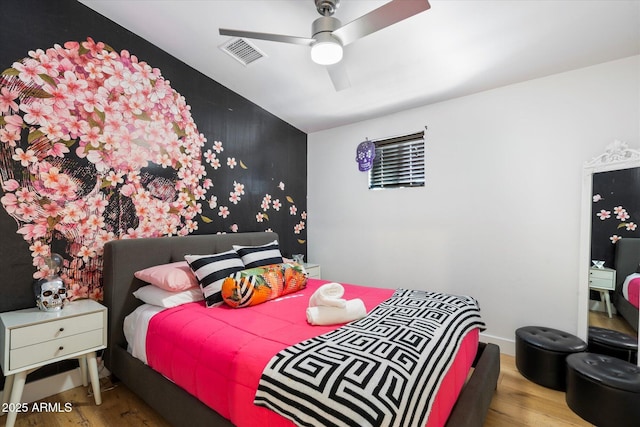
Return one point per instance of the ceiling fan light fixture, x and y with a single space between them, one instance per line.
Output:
329 36
326 50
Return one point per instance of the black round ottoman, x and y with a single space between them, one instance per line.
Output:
541 354
604 390
613 343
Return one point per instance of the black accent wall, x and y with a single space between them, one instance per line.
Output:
270 153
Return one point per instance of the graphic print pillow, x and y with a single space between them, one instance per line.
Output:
211 270
257 285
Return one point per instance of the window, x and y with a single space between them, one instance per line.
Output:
399 162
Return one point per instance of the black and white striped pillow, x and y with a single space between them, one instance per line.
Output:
211 270
257 256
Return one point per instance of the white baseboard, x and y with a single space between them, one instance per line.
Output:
506 346
49 386
595 305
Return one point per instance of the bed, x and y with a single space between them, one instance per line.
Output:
627 260
123 258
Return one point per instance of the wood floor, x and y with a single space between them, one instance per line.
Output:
517 402
120 408
602 320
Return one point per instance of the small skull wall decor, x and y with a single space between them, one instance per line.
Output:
365 154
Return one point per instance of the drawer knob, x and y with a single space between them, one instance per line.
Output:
60 348
61 329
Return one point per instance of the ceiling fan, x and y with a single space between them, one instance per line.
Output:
328 35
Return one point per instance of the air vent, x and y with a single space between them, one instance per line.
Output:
242 51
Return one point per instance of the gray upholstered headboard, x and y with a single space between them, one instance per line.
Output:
122 258
627 259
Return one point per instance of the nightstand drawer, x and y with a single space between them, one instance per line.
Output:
602 283
34 334
601 274
49 350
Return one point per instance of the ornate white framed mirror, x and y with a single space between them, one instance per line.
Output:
618 156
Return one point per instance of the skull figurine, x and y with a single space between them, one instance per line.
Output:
365 154
51 293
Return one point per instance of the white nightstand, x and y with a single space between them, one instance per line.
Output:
313 270
603 280
32 338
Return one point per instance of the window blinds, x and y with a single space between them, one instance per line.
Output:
399 162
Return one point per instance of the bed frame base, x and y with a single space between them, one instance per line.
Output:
181 409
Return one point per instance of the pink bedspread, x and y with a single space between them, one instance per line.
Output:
634 292
219 353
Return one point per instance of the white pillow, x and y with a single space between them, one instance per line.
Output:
156 296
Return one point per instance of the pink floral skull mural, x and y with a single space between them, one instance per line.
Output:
95 146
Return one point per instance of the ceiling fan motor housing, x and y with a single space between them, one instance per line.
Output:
325 24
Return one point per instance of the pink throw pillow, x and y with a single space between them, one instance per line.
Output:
174 277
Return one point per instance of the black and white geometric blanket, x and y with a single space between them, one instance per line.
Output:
381 370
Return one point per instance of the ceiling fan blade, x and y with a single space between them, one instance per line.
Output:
339 76
382 17
305 41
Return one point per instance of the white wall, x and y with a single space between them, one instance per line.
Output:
499 217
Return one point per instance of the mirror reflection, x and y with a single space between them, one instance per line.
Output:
614 273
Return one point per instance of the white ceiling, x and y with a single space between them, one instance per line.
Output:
454 49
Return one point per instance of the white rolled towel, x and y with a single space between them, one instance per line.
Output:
354 309
329 294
